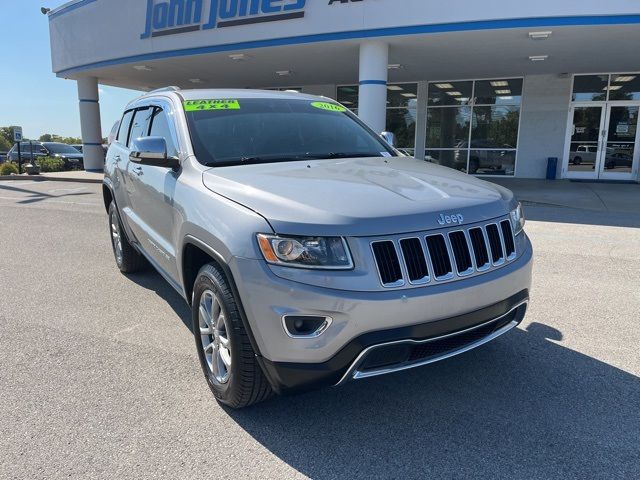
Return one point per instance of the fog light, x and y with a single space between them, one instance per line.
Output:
305 326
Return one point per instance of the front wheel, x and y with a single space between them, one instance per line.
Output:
227 358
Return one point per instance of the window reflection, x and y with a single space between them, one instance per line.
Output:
481 137
495 127
448 127
402 110
456 159
450 93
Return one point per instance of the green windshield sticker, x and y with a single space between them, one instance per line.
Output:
200 105
332 107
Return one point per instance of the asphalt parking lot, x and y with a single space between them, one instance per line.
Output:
99 376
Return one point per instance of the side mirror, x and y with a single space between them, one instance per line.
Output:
152 151
389 137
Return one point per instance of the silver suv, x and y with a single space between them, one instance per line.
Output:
310 251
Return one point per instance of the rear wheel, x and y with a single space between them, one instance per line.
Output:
127 258
227 358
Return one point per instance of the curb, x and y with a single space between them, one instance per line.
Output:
41 178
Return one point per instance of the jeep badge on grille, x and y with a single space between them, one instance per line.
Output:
450 219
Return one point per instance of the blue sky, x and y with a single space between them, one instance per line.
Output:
31 96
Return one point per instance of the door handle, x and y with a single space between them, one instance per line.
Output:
138 171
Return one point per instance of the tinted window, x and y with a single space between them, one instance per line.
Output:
140 125
624 87
160 128
37 148
590 88
450 93
348 96
271 130
499 92
61 148
123 131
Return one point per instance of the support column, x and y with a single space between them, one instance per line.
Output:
374 73
88 98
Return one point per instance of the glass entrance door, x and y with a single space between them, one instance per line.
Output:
603 142
619 156
584 146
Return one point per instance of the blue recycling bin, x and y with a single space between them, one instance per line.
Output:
552 168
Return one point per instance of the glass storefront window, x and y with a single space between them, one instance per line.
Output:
402 110
492 162
495 127
402 122
348 96
456 159
402 94
624 87
450 93
448 127
590 88
479 138
498 92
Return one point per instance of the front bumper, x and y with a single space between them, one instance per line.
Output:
364 319
393 350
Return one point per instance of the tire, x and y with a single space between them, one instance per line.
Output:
236 379
127 258
577 160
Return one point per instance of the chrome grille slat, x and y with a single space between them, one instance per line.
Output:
495 244
415 260
445 255
508 240
461 252
440 255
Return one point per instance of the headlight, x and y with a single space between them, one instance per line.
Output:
330 253
517 220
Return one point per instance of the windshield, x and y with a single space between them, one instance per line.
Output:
61 148
265 130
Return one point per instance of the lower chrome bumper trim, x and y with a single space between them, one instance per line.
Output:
354 374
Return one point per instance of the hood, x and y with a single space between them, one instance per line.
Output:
358 197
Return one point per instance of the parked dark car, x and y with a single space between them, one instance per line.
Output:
73 159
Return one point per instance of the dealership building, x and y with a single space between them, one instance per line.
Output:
491 88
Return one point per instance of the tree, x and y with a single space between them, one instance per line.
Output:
6 138
52 137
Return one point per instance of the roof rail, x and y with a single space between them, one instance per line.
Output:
164 89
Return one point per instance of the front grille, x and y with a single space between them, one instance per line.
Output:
444 256
388 263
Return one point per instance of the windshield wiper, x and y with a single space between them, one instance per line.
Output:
255 160
334 155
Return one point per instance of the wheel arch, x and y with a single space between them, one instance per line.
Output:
107 194
194 255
